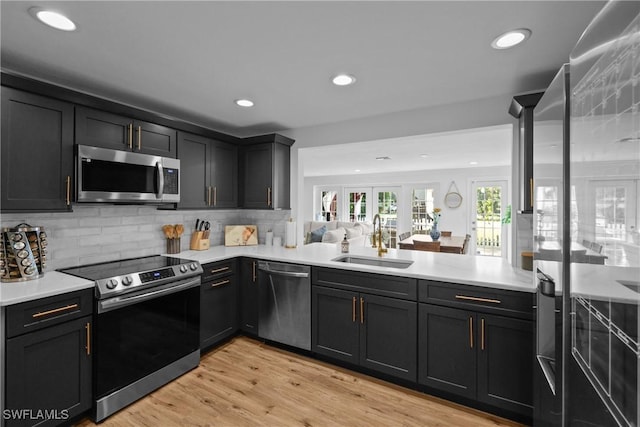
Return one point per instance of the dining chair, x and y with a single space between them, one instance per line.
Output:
404 235
445 233
426 246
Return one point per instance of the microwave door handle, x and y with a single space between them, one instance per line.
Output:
160 173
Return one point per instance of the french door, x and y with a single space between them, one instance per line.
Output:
488 233
386 204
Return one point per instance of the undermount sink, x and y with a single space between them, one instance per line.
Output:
378 262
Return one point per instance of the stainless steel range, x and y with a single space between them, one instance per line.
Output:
146 328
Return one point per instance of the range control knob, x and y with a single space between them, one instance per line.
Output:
193 266
127 280
112 283
183 268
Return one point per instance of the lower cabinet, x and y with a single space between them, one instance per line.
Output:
48 360
218 303
480 356
372 331
249 296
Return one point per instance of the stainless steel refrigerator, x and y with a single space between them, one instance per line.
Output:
586 213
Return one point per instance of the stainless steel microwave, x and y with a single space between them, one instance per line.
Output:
115 176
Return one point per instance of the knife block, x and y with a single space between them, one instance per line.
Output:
200 241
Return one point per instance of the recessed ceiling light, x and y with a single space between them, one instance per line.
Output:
356 170
53 19
473 163
343 80
244 102
511 38
424 156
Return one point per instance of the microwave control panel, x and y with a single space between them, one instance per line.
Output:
170 181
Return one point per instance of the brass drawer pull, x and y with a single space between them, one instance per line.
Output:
481 334
471 332
361 310
254 272
219 270
353 310
269 196
55 310
222 283
215 196
68 190
478 299
88 329
139 138
130 126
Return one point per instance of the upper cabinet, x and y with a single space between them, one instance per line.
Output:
209 172
265 168
102 129
37 153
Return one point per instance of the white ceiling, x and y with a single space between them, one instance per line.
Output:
191 60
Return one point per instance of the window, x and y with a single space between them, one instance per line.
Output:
329 205
358 204
421 207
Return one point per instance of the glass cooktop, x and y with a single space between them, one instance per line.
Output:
123 267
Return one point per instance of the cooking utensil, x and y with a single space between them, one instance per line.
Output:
179 230
197 223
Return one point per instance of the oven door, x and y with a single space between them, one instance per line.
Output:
140 333
120 176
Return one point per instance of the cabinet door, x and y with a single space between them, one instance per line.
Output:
102 129
335 323
193 152
37 153
249 296
447 349
154 139
218 313
224 175
50 370
505 363
388 335
257 173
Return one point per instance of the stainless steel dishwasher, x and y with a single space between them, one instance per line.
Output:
285 303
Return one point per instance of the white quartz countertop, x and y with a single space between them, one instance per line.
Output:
52 283
464 269
445 267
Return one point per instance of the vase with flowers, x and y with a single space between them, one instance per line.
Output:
435 233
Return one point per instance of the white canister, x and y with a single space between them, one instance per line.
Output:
269 238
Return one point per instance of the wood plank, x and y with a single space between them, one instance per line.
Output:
248 383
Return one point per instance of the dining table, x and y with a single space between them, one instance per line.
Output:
450 244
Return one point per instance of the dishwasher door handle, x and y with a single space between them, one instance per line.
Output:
284 273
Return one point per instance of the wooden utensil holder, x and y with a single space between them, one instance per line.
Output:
200 241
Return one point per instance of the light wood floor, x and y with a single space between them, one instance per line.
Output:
248 383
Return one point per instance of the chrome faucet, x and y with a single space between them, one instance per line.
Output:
381 250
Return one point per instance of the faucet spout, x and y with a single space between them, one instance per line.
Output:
378 238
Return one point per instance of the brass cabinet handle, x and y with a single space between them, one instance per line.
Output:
139 138
55 310
482 334
361 310
254 272
531 191
130 126
219 270
478 299
68 190
268 196
353 310
221 283
87 327
215 196
471 332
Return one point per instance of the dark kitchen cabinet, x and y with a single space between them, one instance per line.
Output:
218 302
249 296
49 357
478 344
209 172
103 129
37 153
265 172
373 331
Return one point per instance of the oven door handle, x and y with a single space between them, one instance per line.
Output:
126 300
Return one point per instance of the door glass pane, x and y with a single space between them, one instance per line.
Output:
421 205
387 208
488 224
357 206
547 221
329 205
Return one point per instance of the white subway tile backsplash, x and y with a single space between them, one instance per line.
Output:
97 233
